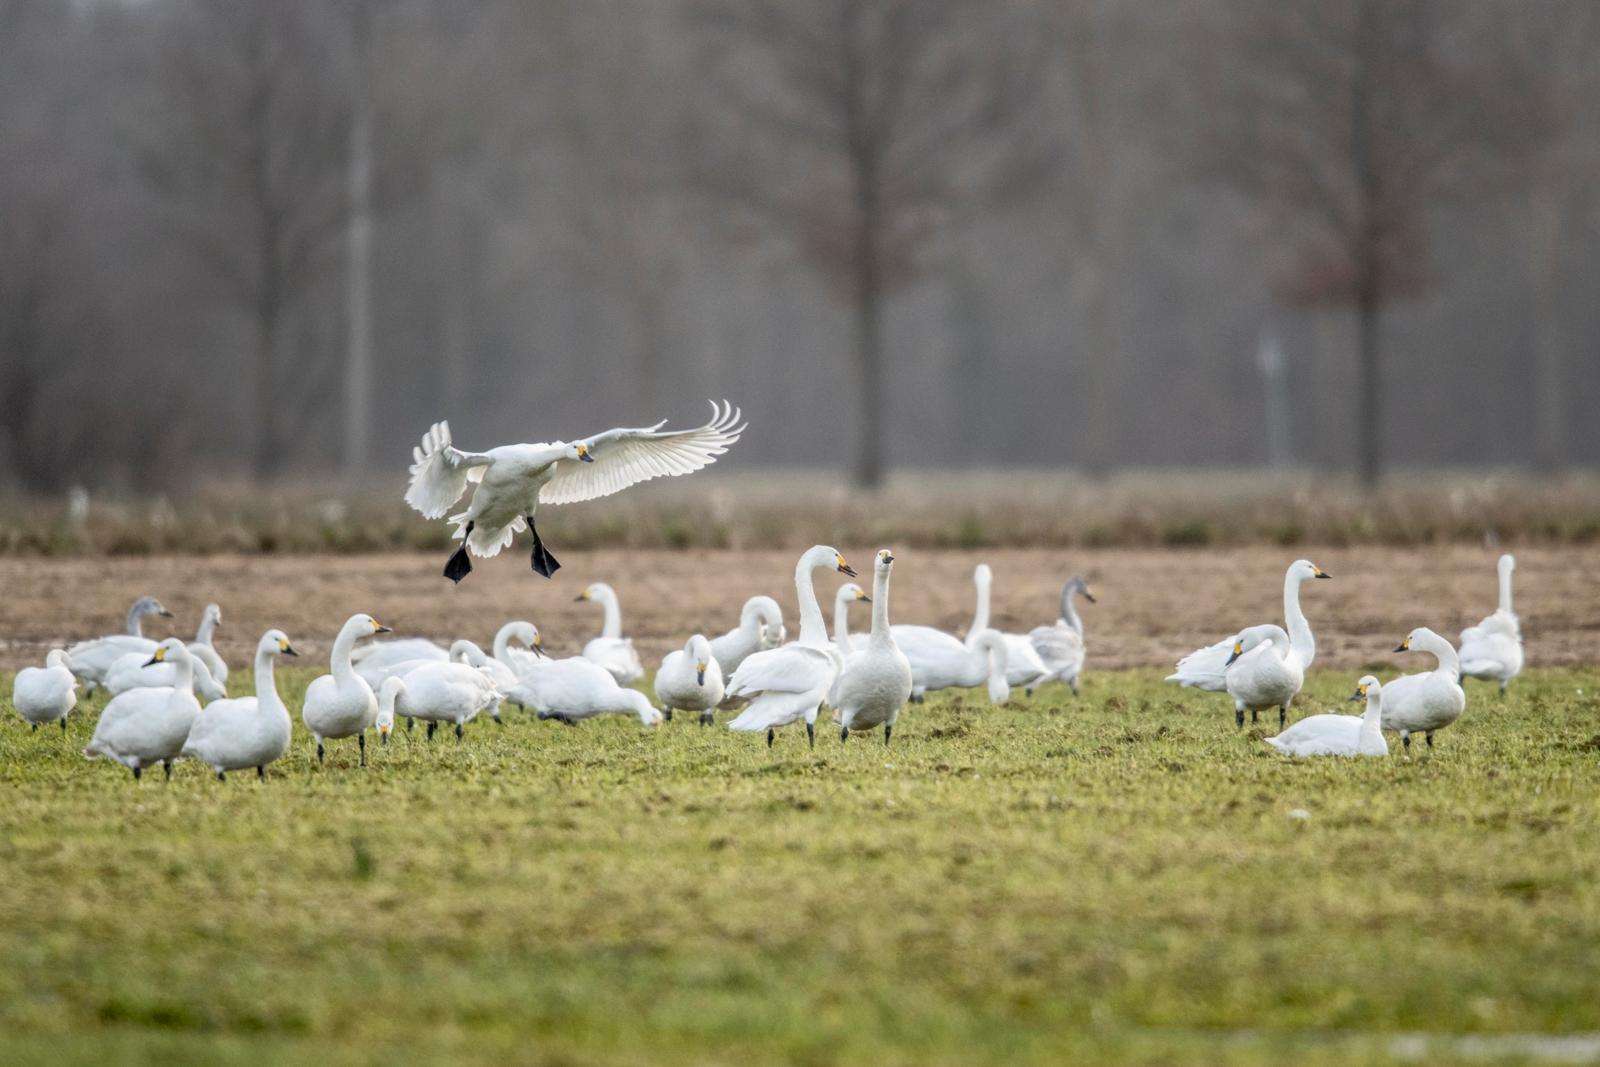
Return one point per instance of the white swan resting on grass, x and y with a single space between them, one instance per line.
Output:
611 650
875 682
513 480
143 727
202 648
1209 668
375 660
843 640
760 628
1023 665
46 694
788 684
1492 650
341 704
1432 700
691 679
1339 735
939 661
452 693
1060 647
135 671
245 732
92 659
573 689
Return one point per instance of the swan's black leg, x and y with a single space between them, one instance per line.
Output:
35 728
320 753
222 776
458 733
64 718
707 718
166 765
811 734
1238 718
888 728
1074 687
459 565
1429 738
844 734
1283 716
431 726
771 733
667 714
361 741
138 772
261 772
543 562
1405 739
1255 715
411 724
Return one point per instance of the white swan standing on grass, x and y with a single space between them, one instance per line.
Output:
1492 650
202 648
611 650
1339 735
513 480
1060 647
1208 668
573 689
1432 700
939 661
690 678
760 628
245 732
143 726
135 671
341 704
1263 671
876 680
788 684
1023 665
46 694
437 693
849 593
92 659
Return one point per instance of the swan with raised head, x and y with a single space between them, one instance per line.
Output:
849 593
760 628
1339 735
1023 665
92 659
143 726
1208 668
46 694
513 480
1432 700
245 732
135 671
939 661
202 648
341 704
788 684
452 693
876 680
573 689
611 650
1060 647
690 678
1492 650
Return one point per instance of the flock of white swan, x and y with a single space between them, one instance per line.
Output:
155 714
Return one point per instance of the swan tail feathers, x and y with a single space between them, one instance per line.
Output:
487 541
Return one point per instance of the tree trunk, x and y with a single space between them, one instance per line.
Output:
1549 399
267 460
358 268
870 418
1369 388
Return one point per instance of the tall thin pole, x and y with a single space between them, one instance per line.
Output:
358 251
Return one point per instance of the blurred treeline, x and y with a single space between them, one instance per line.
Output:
272 238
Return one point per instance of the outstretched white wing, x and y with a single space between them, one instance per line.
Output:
440 472
627 457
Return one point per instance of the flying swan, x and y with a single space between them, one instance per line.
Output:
513 480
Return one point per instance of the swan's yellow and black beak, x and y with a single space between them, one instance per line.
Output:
581 596
1238 650
380 628
843 567
1360 693
165 614
159 657
699 674
1089 596
583 454
287 649
538 645
1404 646
861 594
886 556
1319 572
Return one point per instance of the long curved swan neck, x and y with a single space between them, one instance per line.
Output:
339 660
612 627
503 637
1507 565
1449 662
982 577
58 658
841 617
208 627
813 628
1300 640
182 671
1069 611
266 684
136 620
880 607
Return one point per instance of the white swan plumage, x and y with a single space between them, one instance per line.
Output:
939 661
144 726
844 642
1429 701
204 650
1492 650
1339 735
46 694
570 690
1023 666
340 703
788 684
245 732
452 693
760 628
875 682
1060 646
513 480
92 659
611 650
690 679
135 671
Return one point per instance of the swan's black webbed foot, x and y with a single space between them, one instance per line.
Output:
459 565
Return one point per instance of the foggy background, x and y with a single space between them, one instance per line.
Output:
278 238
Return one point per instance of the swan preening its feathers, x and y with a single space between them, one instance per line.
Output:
1492 650
46 694
512 480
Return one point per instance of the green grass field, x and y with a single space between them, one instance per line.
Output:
1112 879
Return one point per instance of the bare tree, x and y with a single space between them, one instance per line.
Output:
253 178
858 128
1349 120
